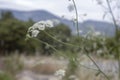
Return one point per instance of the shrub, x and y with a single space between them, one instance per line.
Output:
5 76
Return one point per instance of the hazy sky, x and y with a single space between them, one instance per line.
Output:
57 7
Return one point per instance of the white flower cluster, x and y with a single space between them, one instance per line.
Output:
60 73
34 30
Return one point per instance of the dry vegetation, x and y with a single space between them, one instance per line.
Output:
46 65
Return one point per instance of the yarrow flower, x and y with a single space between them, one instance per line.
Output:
35 33
34 30
60 73
49 23
39 25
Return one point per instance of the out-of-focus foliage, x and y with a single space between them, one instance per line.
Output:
113 44
4 76
97 45
60 32
12 34
13 65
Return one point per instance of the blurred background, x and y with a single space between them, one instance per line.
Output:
32 60
16 16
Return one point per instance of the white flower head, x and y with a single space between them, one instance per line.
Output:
34 33
60 73
39 25
49 23
34 30
30 29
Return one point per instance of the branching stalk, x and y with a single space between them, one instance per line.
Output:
96 65
85 54
116 35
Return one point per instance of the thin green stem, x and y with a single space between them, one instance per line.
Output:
85 54
68 44
88 67
112 15
49 46
97 66
116 35
95 63
46 44
76 13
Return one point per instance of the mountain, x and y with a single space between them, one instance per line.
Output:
37 15
99 26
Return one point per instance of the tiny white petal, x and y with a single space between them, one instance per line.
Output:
30 29
60 72
35 33
39 25
49 23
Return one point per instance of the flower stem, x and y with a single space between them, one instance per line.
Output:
116 35
76 13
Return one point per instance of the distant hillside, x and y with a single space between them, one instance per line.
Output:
104 27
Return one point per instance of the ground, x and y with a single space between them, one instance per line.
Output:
44 68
